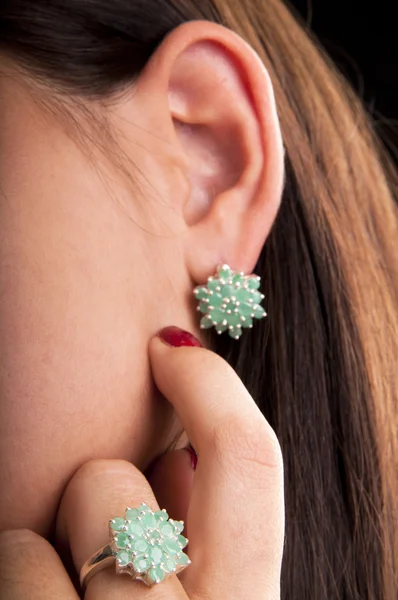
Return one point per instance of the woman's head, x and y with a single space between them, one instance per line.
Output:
116 206
140 147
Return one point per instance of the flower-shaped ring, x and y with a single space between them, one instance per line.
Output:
145 544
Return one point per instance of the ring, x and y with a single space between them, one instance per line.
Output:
145 544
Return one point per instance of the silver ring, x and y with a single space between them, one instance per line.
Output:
145 544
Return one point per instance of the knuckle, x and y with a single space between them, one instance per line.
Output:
247 442
14 539
21 547
99 468
111 478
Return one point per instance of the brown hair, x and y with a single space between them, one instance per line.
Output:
322 367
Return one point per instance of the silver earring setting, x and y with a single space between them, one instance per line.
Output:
230 301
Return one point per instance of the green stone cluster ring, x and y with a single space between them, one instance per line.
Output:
145 544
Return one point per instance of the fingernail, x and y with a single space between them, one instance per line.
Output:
193 455
174 336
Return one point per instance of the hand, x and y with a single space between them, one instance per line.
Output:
233 501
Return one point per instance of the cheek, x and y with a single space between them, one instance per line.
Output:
74 375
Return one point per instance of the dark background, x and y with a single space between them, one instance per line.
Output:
361 37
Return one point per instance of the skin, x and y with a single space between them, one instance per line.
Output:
234 521
93 264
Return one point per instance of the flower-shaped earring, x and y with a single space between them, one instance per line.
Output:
230 301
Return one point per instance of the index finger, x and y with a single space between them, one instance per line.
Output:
235 520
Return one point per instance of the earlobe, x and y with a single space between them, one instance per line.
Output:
222 108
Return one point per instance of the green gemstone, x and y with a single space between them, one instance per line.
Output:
204 306
246 310
182 541
183 559
259 312
141 564
132 514
201 292
248 322
140 546
156 554
161 515
135 529
167 530
156 574
253 283
122 539
225 273
144 508
213 284
227 291
206 322
237 278
178 526
233 319
169 565
242 295
148 521
117 524
155 535
215 300
123 558
171 547
235 333
217 315
257 297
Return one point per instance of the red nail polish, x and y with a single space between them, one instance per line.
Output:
194 456
174 336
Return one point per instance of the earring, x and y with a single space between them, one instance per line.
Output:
230 301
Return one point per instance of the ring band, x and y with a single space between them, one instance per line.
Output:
145 544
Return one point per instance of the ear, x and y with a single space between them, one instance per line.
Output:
226 129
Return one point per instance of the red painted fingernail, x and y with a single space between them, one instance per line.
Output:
174 336
194 456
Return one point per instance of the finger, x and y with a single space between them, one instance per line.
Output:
100 491
171 479
30 569
236 516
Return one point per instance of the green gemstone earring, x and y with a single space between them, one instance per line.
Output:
230 301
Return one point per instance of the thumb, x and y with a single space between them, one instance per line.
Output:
236 512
